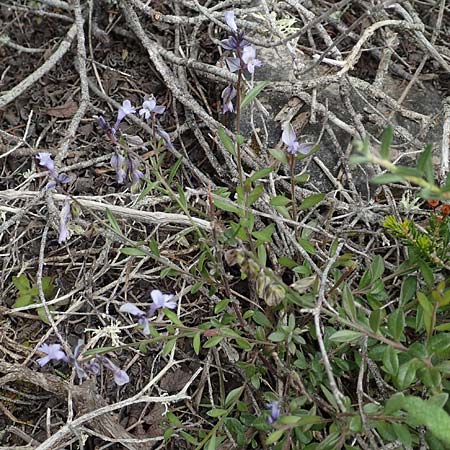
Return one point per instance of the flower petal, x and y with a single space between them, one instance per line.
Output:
121 377
158 298
288 136
45 160
230 20
131 309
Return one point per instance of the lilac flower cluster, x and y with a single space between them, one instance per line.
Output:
159 301
46 160
244 59
290 139
54 352
125 166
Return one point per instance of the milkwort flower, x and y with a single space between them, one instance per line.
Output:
124 110
245 53
228 94
274 411
120 376
290 139
53 352
159 301
150 108
126 167
46 160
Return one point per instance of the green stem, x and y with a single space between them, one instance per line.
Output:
238 128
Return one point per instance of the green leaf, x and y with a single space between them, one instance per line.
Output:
390 360
253 93
23 300
226 206
345 336
212 341
426 272
394 403
48 287
196 342
348 302
174 170
386 142
311 201
386 178
425 163
302 178
216 412
243 344
113 222
188 438
221 306
435 418
406 374
408 290
260 174
396 324
233 396
43 315
154 248
21 283
279 155
172 317
226 141
307 246
261 319
277 336
274 437
255 194
212 444
279 200
264 235
131 251
169 345
377 267
427 309
402 433
375 320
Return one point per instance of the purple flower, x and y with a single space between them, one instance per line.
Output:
141 315
104 125
161 300
165 137
249 59
228 95
124 111
234 64
120 376
117 163
230 20
45 160
94 366
150 107
53 352
133 171
274 411
290 139
64 217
